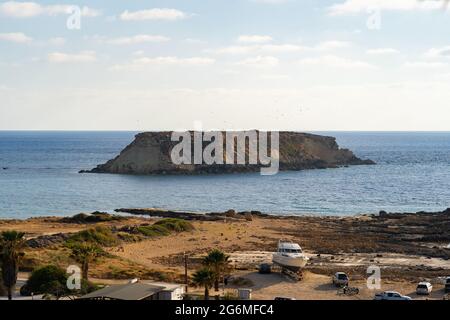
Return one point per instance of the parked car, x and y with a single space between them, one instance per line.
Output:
265 268
283 298
391 295
424 288
447 284
340 279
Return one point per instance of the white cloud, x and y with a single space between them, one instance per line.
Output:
138 53
361 6
259 61
21 9
17 37
32 9
382 51
282 48
424 64
332 44
235 50
275 76
270 1
153 14
279 48
140 38
254 39
175 61
194 41
336 62
267 48
54 10
57 41
84 56
438 52
138 63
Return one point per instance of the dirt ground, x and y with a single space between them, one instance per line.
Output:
408 249
319 287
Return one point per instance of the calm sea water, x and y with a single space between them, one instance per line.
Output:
413 174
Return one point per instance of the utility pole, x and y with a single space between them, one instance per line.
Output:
186 271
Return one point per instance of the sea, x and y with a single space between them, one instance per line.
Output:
39 177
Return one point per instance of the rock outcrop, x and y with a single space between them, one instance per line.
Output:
150 153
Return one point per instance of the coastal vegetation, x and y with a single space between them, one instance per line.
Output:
85 254
165 227
411 245
11 253
51 281
217 261
214 266
107 237
94 217
101 236
204 278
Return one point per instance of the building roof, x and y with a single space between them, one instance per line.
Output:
129 291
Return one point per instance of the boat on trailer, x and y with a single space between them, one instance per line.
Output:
289 256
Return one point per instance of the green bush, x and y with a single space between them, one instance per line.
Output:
165 227
101 236
46 280
128 237
52 280
153 231
94 217
176 225
230 296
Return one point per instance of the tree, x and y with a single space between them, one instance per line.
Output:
2 288
217 261
85 253
204 278
51 281
48 280
11 246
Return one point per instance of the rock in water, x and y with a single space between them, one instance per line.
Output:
150 153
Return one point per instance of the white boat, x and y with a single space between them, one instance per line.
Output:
289 255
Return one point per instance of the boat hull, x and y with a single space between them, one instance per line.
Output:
290 262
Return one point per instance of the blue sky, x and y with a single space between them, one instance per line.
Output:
235 64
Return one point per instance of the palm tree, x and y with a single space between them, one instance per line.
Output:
217 261
11 245
85 253
204 278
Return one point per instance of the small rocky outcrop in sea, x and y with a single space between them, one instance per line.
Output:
150 153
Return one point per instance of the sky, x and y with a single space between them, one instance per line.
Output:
303 65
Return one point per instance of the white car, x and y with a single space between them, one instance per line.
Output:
391 295
424 288
340 279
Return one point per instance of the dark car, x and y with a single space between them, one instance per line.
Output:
265 268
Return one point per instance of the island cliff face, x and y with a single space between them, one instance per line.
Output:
150 153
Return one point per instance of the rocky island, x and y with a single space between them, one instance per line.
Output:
150 153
